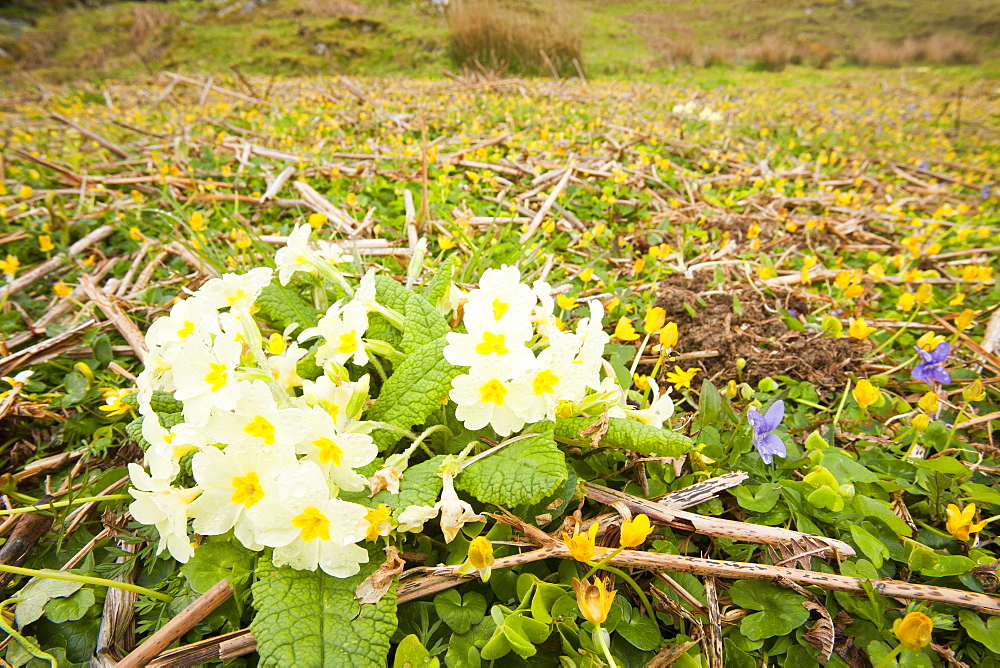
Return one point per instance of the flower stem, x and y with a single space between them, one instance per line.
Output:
30 648
599 637
64 504
888 659
85 579
624 576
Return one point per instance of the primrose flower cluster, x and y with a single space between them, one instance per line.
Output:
522 367
271 450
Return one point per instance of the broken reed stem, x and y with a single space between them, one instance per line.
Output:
732 570
178 626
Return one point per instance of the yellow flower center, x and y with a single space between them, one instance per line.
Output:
492 343
261 428
313 523
217 376
499 308
348 342
186 330
247 490
239 295
493 391
328 450
544 382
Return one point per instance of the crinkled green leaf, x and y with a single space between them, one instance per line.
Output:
134 431
39 591
437 288
523 472
307 618
629 434
419 486
781 610
164 402
74 606
459 612
282 307
423 323
414 391
215 560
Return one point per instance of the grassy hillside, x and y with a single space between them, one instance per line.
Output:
380 37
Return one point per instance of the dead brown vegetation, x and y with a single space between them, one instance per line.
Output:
502 37
331 9
947 48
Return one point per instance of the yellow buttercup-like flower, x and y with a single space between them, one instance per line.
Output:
974 391
929 341
635 531
480 558
681 377
583 546
859 329
654 320
913 631
624 331
668 335
960 524
594 599
929 402
865 393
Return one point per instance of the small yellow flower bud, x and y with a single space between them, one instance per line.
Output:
913 631
594 600
635 531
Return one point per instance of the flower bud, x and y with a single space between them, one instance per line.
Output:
913 631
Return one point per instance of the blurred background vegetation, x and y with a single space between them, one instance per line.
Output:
65 39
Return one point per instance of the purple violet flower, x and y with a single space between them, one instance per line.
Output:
931 369
767 443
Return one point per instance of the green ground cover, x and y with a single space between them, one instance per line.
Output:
810 234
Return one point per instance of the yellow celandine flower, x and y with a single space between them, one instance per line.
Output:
480 558
920 421
624 331
317 220
929 341
924 293
379 522
638 266
865 393
877 272
25 192
635 531
842 280
197 221
859 329
565 303
913 276
45 243
641 382
854 291
907 301
766 272
113 405
964 319
446 242
974 391
668 335
594 599
583 546
9 266
682 378
913 631
135 234
929 402
970 272
957 300
586 275
960 524
61 289
654 320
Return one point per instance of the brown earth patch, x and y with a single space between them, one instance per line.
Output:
757 334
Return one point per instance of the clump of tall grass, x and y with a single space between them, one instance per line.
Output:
516 39
940 48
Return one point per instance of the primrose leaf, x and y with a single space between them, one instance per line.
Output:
642 633
460 612
215 560
134 431
523 472
416 389
282 307
781 610
437 287
423 323
420 486
164 402
629 434
39 591
309 618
